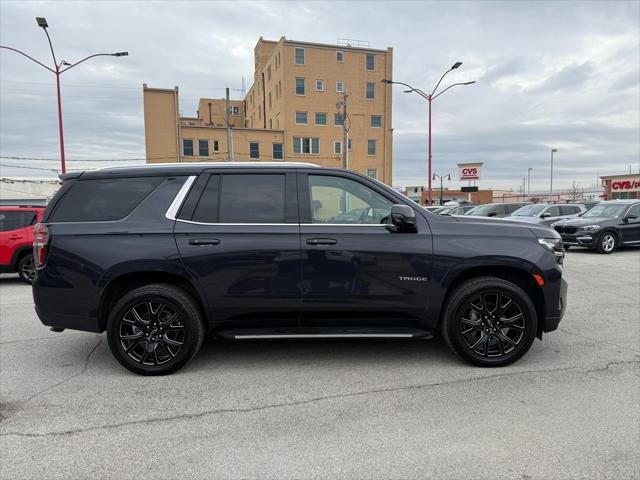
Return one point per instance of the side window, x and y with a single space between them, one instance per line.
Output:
103 199
14 220
568 210
554 211
634 211
341 200
252 198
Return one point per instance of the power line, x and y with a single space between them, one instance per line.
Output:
206 87
22 110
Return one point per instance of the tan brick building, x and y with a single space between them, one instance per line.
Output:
290 112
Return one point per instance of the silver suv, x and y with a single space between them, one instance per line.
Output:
547 213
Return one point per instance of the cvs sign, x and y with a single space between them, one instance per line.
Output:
470 171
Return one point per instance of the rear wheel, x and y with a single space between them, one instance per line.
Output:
155 329
490 322
607 242
26 268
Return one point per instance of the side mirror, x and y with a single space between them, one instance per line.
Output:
492 214
545 215
403 218
630 217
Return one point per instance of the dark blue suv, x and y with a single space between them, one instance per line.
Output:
158 256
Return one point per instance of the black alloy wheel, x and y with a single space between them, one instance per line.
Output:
27 269
155 329
490 322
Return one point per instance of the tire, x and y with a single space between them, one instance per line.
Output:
26 268
490 342
607 242
155 329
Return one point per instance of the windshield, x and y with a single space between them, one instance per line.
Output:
602 210
481 210
529 211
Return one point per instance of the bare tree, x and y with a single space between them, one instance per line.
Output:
574 191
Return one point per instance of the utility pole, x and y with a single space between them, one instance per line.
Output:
345 130
553 150
529 182
229 137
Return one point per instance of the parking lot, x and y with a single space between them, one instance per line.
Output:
333 409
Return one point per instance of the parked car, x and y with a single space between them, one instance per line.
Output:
546 213
496 209
456 210
16 239
434 208
605 227
160 255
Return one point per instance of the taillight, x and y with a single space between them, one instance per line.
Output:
40 243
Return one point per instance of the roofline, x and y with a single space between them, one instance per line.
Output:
606 177
169 165
337 47
232 128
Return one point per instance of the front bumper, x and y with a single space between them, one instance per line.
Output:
580 239
556 306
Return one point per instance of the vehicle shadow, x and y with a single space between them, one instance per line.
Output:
12 279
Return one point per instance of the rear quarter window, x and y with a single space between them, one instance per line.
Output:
14 220
103 199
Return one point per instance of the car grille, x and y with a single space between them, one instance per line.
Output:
563 229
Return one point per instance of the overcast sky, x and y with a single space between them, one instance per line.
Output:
549 74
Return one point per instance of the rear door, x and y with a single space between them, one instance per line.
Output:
15 232
238 234
356 272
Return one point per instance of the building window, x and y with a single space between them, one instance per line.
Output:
376 121
370 62
216 146
299 56
299 86
339 56
321 118
259 112
338 119
306 146
235 110
203 148
371 147
372 172
254 150
187 147
349 144
371 90
319 85
339 86
301 118
269 100
270 123
278 152
269 73
337 147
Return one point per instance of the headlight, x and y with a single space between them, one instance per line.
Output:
590 228
553 245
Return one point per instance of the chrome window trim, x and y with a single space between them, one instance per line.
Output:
172 211
284 224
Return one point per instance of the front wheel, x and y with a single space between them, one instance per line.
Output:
155 329
607 242
26 268
490 322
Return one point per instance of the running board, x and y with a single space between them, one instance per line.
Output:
265 334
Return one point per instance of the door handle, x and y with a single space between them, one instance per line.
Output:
321 241
204 241
15 237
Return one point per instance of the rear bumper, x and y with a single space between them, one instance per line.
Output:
72 322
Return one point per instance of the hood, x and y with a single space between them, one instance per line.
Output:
509 226
524 219
579 221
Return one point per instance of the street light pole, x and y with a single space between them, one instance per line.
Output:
57 71
429 98
529 181
441 177
553 150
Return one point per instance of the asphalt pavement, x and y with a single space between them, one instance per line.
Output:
333 408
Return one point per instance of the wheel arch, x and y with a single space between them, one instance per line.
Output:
519 276
120 285
19 254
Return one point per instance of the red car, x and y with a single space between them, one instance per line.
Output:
16 239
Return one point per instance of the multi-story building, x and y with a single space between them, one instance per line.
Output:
293 111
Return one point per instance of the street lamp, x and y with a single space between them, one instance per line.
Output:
529 181
430 97
441 177
553 150
57 71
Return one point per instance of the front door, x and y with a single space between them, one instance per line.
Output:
238 235
630 227
356 271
